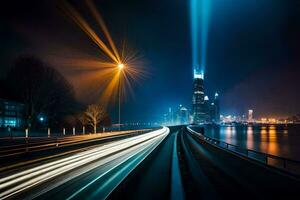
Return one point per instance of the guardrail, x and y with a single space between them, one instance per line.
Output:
286 164
38 144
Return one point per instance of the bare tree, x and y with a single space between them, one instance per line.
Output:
93 115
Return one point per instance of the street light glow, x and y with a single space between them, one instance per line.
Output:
119 71
120 66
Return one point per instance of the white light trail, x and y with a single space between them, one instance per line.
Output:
26 179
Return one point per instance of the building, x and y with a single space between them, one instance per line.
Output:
250 116
177 116
204 110
215 109
11 114
169 117
207 110
198 107
182 115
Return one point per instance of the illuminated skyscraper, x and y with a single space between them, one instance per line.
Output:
207 109
204 110
250 116
198 108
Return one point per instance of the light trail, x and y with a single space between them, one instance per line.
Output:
138 151
46 143
29 178
81 155
107 164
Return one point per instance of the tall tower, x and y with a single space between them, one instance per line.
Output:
217 108
198 98
250 116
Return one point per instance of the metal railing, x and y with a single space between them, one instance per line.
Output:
28 144
286 164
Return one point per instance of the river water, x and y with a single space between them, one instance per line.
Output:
279 140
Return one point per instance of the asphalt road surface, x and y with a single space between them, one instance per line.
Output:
75 176
168 163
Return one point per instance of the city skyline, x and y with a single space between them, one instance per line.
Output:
230 67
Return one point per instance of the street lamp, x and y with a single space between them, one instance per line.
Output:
121 67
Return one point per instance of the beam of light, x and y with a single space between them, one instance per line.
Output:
101 22
204 32
199 17
131 72
104 80
109 79
110 93
82 23
194 32
88 63
27 179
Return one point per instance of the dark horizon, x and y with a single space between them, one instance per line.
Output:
252 59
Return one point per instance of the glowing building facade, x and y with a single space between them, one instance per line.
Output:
204 110
198 107
250 116
11 114
183 115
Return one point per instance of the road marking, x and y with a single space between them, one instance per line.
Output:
177 192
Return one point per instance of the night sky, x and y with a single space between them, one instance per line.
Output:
252 56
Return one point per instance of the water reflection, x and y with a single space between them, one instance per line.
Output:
276 140
271 145
263 131
250 143
228 134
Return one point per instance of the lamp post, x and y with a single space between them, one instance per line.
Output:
121 67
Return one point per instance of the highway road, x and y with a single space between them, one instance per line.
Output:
212 173
158 177
205 172
168 163
107 164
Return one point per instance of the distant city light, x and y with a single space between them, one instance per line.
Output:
206 98
42 119
216 94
